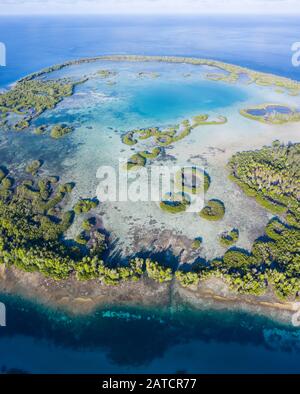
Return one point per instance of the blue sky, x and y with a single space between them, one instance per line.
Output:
148 6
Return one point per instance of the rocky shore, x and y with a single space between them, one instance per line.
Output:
81 298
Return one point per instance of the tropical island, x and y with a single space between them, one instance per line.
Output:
38 211
272 113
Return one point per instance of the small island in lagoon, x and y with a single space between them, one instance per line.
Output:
272 113
247 235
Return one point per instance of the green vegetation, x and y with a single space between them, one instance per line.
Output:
197 243
229 238
85 205
98 242
151 155
3 173
135 162
187 278
21 125
40 130
32 239
58 131
33 167
7 183
29 238
157 272
175 203
128 139
231 73
231 77
163 138
271 175
273 262
202 120
144 134
273 116
82 238
192 180
88 224
170 135
106 73
148 74
214 210
29 98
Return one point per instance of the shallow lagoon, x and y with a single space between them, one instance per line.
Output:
150 94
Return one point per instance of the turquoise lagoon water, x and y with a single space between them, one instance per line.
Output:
37 339
103 109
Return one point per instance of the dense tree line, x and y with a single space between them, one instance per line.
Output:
33 223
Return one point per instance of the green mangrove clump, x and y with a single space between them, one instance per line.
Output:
151 155
197 243
3 173
175 203
82 238
229 238
272 114
85 205
214 210
7 183
88 224
135 162
106 73
128 139
33 167
58 131
202 120
40 130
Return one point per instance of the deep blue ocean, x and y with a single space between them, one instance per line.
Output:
257 42
131 340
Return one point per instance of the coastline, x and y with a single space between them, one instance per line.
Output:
83 297
261 78
78 298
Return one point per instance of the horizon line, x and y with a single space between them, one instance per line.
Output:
288 13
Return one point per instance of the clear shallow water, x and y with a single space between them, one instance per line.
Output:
102 109
178 91
40 340
173 100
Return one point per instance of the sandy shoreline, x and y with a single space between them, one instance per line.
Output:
82 298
